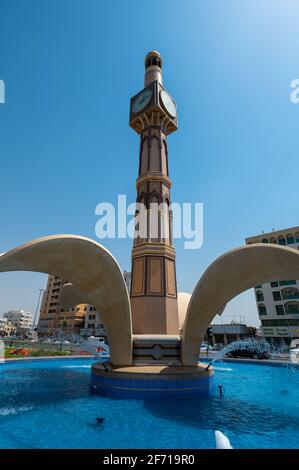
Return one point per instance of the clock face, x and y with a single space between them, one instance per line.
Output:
142 100
168 103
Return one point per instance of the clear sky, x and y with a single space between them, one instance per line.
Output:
70 68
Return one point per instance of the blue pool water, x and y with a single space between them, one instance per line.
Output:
47 404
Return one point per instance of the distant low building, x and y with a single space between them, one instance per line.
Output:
6 327
227 333
3 323
93 325
19 321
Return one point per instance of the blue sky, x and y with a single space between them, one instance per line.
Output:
70 68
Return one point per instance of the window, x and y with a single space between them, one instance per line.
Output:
290 239
274 284
259 296
262 310
287 283
258 287
280 322
281 240
290 293
292 308
276 295
279 309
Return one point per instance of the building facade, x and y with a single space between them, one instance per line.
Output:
93 325
278 301
53 318
19 320
81 319
229 332
6 327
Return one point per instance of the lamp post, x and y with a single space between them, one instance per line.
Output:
37 308
64 325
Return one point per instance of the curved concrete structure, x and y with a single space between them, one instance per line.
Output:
229 275
183 302
70 295
93 271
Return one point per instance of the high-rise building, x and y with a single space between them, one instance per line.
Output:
53 318
278 301
153 293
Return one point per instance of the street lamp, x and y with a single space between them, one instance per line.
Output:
37 308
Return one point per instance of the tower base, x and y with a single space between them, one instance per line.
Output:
153 382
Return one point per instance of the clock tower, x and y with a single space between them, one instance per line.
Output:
153 293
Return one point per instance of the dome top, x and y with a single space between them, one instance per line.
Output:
153 58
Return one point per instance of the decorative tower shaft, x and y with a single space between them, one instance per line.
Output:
153 288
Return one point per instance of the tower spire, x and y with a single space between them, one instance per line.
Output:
153 68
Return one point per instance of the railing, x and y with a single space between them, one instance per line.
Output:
39 345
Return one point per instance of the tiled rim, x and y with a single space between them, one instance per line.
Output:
140 389
269 363
259 362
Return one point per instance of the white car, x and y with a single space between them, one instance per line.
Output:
294 353
95 346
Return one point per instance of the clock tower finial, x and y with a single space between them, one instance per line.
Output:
153 68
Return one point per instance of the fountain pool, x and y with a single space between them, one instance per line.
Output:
47 404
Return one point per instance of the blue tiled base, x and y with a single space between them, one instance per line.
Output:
153 388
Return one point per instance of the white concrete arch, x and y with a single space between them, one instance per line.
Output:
93 271
229 275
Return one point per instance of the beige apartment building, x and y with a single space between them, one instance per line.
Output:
53 318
